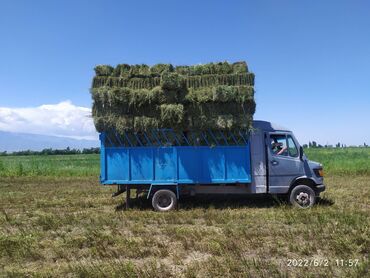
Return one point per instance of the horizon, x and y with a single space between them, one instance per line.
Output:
311 60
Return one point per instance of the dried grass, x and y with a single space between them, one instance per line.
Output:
139 97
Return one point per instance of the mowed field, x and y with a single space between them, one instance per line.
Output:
57 221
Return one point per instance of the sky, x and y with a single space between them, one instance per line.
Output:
311 58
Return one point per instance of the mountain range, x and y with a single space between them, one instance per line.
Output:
11 141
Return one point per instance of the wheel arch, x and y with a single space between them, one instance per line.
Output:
302 180
155 187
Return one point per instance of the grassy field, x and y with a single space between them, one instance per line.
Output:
80 165
56 221
345 161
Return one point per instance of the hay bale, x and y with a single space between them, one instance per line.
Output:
134 83
237 94
124 123
172 81
202 69
213 109
240 67
107 98
159 69
221 93
220 122
104 123
199 95
122 70
103 70
246 79
172 115
143 123
140 71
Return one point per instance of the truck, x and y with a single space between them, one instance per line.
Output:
166 164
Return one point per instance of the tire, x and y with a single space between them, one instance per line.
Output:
164 200
302 196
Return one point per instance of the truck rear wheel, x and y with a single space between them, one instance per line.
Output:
164 200
302 196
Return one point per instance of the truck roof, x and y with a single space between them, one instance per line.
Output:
268 126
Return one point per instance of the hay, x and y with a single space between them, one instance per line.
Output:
138 97
241 79
220 122
172 81
127 99
198 81
134 83
172 115
159 69
103 70
167 115
220 93
214 109
142 71
240 67
122 70
213 68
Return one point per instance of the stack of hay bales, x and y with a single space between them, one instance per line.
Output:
216 96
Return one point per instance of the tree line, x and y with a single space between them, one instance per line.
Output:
314 144
51 151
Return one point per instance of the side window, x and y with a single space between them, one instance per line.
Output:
293 151
278 144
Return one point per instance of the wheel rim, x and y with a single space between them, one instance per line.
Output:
303 199
164 201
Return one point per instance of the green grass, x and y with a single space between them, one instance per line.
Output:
58 222
50 165
342 161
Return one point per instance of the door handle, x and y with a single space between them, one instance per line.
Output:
274 162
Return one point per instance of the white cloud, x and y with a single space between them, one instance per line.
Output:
62 119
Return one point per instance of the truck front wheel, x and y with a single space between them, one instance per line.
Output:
302 196
164 200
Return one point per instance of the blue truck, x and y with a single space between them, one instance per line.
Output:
165 164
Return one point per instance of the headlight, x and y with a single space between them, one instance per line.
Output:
319 172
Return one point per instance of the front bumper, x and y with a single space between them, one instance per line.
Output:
319 188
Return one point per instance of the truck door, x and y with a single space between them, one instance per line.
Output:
284 163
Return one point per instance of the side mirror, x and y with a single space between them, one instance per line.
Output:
301 153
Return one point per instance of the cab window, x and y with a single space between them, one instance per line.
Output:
278 144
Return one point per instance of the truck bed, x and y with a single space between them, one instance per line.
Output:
175 164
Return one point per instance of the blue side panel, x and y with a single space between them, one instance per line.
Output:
118 166
141 164
188 163
213 165
237 164
179 164
165 164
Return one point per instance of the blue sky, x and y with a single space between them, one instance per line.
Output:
311 58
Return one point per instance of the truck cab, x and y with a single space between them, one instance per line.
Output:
284 169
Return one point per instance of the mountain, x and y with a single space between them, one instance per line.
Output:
11 141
